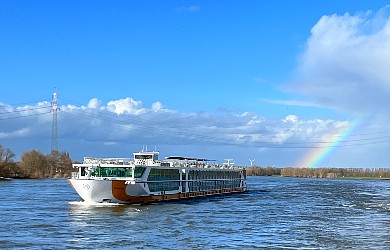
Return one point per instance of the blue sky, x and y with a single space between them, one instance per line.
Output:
266 80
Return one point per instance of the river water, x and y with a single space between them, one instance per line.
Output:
276 213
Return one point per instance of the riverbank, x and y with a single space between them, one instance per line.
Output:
354 173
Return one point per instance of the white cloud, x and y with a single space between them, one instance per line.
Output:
294 103
291 118
345 63
14 134
125 106
157 106
94 103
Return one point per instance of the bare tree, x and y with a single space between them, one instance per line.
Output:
60 164
34 165
6 161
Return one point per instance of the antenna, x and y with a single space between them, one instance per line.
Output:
54 127
251 161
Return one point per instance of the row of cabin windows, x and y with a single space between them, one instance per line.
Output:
112 172
115 172
195 186
160 174
212 174
163 186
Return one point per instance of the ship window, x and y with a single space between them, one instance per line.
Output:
143 156
163 186
157 174
111 172
138 171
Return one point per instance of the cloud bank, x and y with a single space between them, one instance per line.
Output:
345 65
108 129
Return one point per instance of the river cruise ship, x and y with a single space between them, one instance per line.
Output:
146 179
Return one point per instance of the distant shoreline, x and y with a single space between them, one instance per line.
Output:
5 178
333 173
309 177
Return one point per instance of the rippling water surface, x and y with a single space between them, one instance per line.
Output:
276 213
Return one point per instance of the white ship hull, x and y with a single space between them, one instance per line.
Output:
118 191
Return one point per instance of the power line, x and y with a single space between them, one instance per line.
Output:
19 104
23 110
231 123
162 129
188 133
23 116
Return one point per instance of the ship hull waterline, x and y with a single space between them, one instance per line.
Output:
120 191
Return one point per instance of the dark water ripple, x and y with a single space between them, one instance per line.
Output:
277 213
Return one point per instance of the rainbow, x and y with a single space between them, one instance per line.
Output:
319 153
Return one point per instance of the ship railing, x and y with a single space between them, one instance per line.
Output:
197 165
114 161
193 165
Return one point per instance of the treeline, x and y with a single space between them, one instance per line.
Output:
336 172
34 164
262 171
320 172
